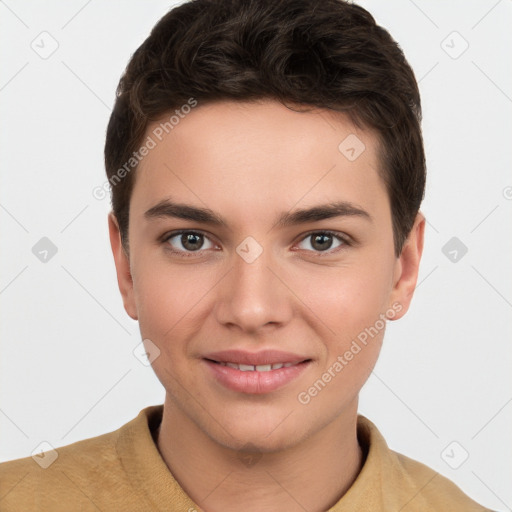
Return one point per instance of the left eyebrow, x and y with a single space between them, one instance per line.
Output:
322 212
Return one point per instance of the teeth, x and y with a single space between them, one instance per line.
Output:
263 367
258 368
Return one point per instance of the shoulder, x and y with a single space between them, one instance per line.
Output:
406 484
72 477
431 490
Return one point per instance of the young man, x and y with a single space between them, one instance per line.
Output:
267 169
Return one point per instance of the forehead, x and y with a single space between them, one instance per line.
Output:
252 155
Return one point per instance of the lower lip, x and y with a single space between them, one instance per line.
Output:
255 382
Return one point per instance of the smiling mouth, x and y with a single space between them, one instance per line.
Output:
269 371
257 368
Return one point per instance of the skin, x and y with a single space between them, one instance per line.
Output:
249 162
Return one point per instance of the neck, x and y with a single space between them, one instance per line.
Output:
312 476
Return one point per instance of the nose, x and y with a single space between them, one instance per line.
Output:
254 294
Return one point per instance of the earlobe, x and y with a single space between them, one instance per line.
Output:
407 268
122 263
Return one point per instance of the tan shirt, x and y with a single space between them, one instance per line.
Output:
123 471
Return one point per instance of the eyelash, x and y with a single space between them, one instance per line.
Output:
188 254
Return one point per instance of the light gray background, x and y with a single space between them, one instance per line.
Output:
67 371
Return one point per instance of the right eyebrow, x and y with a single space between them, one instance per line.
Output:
167 208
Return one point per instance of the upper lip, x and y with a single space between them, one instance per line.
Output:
255 358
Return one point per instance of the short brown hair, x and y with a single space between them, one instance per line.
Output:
325 54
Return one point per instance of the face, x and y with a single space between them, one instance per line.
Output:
262 267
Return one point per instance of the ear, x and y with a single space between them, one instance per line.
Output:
407 268
122 262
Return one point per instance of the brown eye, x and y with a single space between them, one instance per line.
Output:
188 241
192 241
322 241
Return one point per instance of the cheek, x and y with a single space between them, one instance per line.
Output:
169 303
349 299
352 307
350 303
166 308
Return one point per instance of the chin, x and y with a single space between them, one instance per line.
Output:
260 435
